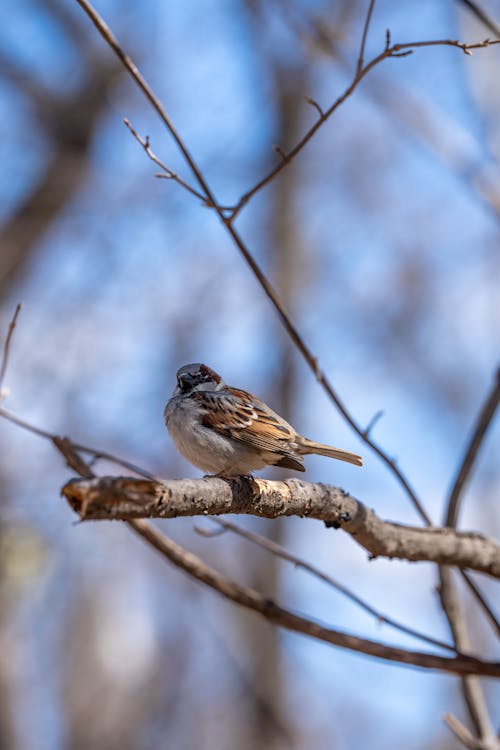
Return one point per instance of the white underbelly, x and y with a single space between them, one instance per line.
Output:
208 450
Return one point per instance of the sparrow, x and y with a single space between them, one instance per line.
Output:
229 432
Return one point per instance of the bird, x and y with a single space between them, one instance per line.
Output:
228 432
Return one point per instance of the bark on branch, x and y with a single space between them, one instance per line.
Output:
127 498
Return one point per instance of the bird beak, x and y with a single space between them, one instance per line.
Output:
186 381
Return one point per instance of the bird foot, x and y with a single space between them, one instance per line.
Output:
229 477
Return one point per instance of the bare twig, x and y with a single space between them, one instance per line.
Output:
73 458
6 347
482 16
315 104
127 497
361 56
479 596
284 156
167 172
97 454
390 50
461 732
471 686
251 599
465 47
298 562
413 112
455 615
132 68
483 422
105 456
373 421
25 425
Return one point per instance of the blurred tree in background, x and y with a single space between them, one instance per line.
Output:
382 238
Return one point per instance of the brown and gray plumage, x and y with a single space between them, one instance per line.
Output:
227 431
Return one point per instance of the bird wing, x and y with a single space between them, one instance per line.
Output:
241 416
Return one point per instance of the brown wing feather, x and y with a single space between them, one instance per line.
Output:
242 417
289 462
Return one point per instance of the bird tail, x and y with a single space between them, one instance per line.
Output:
310 446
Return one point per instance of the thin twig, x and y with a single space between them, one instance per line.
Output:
364 36
482 16
483 421
387 96
276 614
26 425
478 594
315 104
390 50
464 46
471 685
6 348
279 551
455 616
132 68
97 454
461 732
373 421
167 172
105 456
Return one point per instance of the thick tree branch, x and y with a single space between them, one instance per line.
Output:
246 597
126 498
